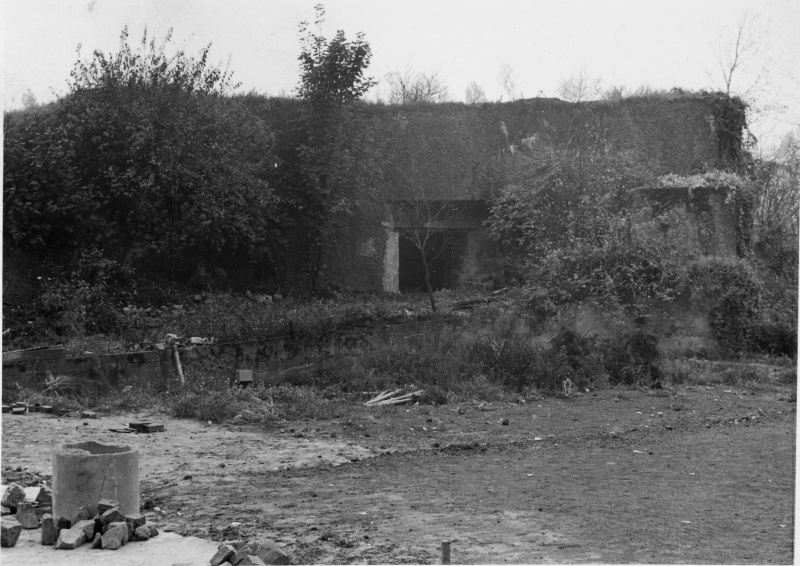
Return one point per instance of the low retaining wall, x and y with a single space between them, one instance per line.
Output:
679 329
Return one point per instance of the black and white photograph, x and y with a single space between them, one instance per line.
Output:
399 282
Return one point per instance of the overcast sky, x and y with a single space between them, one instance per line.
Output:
662 44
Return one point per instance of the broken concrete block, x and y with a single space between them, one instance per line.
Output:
114 538
13 496
81 514
136 520
274 556
10 530
251 560
49 530
237 544
41 511
224 553
113 515
141 533
241 554
153 530
127 527
18 411
70 539
26 516
98 541
6 408
153 427
46 409
105 504
87 526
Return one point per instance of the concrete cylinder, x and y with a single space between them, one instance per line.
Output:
85 472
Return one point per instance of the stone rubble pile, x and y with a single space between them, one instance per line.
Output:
102 525
249 553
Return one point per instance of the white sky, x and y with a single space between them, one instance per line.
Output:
659 43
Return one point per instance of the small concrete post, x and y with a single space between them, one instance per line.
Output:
445 552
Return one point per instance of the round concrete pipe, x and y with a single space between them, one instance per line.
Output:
86 472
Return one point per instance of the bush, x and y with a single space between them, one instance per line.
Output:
734 291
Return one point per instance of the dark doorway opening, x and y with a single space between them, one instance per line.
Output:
445 251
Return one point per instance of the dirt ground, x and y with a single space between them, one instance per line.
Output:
694 474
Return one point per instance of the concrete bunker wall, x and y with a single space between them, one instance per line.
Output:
678 135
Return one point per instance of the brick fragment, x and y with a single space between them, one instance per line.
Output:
114 538
70 539
42 511
141 533
122 525
26 515
136 520
153 427
10 530
105 504
49 530
224 553
14 495
113 515
81 514
241 554
87 526
274 556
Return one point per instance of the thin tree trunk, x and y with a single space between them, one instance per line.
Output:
428 280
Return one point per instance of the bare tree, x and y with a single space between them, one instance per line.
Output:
475 94
778 184
432 172
735 54
508 81
580 87
412 88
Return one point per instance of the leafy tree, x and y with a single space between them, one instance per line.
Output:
333 158
146 158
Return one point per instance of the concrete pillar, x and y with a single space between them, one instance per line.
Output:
391 262
85 472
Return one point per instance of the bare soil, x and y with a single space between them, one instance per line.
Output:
690 475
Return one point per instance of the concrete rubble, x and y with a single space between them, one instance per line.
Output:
102 525
249 553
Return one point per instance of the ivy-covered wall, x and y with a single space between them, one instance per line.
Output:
682 135
706 216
